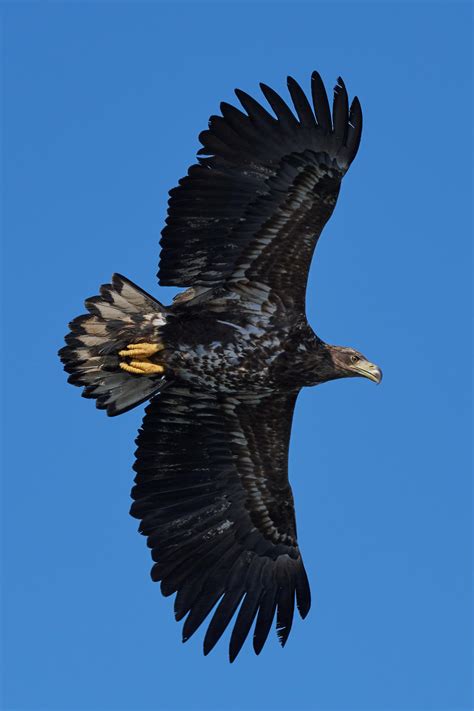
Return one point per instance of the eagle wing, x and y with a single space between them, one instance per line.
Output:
255 204
214 500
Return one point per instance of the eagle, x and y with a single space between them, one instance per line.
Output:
223 365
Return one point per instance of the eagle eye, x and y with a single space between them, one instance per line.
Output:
354 358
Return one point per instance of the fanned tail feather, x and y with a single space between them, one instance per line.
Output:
122 314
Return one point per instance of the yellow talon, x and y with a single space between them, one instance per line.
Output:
142 367
140 350
139 354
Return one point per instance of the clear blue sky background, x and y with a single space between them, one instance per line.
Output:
103 103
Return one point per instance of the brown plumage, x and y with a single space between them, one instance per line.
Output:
225 362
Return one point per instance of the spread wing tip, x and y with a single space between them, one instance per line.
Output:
234 131
240 150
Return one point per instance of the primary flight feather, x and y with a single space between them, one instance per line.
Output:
223 365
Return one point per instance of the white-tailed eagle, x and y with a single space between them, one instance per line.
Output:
223 365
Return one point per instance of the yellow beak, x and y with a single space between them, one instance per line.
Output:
369 370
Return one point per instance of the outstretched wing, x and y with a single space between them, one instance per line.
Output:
214 500
254 207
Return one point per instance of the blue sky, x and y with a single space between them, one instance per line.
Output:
103 103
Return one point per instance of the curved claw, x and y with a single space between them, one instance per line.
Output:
142 367
140 350
139 363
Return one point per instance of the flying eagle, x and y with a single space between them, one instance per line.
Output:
223 365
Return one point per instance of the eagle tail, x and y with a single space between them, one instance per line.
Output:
121 315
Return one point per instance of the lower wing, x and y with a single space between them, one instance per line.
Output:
214 500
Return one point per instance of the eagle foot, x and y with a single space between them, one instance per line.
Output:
139 363
140 350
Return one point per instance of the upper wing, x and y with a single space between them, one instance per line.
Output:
213 494
255 206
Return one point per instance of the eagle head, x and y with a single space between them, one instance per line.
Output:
349 363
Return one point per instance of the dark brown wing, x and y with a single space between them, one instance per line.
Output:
213 494
254 207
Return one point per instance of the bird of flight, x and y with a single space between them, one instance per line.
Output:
223 365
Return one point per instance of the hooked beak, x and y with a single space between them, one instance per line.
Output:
369 370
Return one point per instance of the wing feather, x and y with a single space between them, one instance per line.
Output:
285 601
240 123
321 103
258 115
301 103
245 194
283 112
228 605
214 501
354 129
340 112
266 613
249 607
